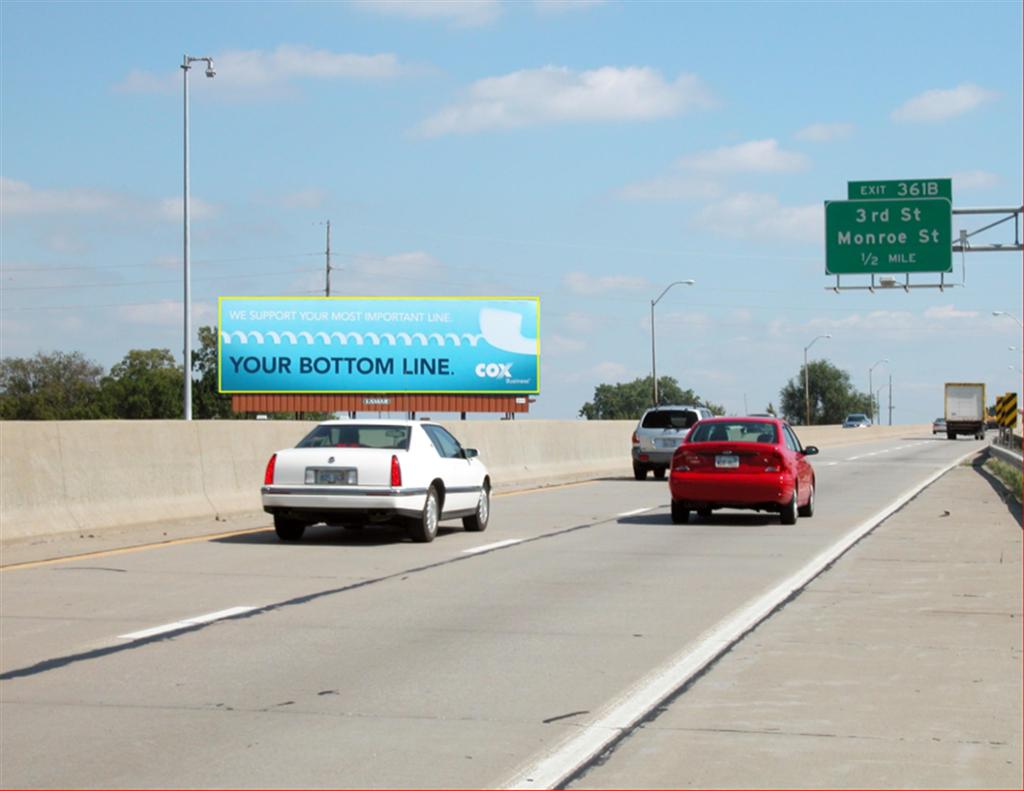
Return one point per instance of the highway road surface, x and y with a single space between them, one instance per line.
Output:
360 659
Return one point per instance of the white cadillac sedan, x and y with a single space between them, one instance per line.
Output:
369 471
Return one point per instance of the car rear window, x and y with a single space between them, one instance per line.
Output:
739 431
670 418
357 436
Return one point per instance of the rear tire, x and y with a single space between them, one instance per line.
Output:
807 510
659 473
639 472
788 513
950 435
477 523
680 513
423 528
704 513
288 529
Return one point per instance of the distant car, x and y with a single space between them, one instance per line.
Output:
939 425
658 434
742 462
370 471
857 420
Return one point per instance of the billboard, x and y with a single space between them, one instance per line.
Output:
379 345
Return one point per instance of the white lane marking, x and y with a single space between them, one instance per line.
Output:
496 545
170 627
853 458
830 464
634 512
625 711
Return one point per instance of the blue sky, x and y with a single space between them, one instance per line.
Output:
589 153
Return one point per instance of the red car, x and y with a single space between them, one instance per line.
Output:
742 462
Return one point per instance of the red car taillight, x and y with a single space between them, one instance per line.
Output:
636 439
772 462
396 472
268 476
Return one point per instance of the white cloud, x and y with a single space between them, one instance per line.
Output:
461 13
755 156
824 133
941 104
311 198
944 312
167 313
761 216
555 94
975 179
673 187
562 345
21 198
552 7
582 283
610 371
261 69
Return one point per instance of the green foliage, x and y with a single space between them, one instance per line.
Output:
145 385
207 401
629 400
1010 476
55 386
832 396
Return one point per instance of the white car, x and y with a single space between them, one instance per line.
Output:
370 471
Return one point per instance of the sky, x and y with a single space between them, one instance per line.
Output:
586 153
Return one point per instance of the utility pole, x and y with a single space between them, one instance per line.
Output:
327 274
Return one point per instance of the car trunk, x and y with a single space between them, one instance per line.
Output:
372 465
716 457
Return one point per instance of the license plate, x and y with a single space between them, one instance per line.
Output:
331 477
666 443
729 462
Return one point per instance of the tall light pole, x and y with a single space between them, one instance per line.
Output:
1004 313
870 391
807 379
654 368
186 66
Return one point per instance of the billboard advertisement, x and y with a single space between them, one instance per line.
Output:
379 345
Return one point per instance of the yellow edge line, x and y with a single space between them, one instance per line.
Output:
106 553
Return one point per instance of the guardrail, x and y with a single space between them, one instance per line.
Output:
63 477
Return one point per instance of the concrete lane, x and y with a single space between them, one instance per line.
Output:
900 667
375 662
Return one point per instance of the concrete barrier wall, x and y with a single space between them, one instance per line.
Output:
60 477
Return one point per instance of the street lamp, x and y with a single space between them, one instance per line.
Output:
186 66
654 369
807 382
1004 313
872 368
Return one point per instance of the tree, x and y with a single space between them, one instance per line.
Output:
56 386
207 401
629 400
832 395
145 385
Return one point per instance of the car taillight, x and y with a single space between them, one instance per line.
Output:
396 472
636 439
772 462
268 476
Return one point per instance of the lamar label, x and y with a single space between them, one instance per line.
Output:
888 236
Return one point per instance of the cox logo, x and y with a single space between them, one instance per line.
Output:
493 370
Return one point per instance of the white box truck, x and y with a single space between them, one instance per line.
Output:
965 409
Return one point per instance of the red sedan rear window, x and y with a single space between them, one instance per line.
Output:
737 431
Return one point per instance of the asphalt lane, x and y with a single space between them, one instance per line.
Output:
369 661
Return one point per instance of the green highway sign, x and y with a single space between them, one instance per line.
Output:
864 237
904 188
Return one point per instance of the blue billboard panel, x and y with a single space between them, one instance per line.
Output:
379 345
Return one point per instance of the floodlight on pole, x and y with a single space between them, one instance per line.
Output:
870 390
807 380
654 368
186 66
1004 313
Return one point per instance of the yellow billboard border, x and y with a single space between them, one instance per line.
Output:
220 306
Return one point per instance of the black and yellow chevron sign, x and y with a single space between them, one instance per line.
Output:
1006 410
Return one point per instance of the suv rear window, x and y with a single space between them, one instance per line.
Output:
670 418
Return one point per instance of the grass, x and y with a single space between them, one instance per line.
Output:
1009 474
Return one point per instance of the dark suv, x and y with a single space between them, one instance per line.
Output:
659 433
